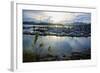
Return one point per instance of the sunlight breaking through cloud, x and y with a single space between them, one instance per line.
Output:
56 17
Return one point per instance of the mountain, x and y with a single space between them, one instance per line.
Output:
45 23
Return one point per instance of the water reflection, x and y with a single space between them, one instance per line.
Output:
59 46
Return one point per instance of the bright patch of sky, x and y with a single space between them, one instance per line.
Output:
55 17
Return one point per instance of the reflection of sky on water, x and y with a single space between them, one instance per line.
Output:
59 45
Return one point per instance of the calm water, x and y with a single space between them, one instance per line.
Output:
59 45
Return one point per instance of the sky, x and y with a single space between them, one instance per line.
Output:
56 17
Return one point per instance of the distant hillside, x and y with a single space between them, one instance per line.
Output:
44 23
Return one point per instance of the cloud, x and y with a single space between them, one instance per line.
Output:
56 17
31 15
83 17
